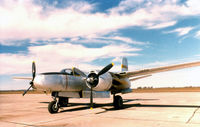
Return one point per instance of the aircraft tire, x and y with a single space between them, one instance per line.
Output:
52 107
118 102
63 101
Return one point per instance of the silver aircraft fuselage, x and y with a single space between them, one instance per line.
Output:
74 83
59 82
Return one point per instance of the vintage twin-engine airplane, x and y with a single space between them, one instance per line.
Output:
74 83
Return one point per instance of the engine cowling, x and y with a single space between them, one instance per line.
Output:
104 82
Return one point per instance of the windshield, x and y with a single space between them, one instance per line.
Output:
68 71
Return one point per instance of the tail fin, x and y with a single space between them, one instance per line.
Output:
124 64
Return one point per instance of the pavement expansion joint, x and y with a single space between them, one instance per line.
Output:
193 114
20 123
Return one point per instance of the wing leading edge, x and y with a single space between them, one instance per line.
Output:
129 74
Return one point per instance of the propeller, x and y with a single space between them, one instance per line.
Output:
33 75
92 80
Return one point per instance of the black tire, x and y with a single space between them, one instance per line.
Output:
52 107
118 102
63 101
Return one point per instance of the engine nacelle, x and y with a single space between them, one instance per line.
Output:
104 82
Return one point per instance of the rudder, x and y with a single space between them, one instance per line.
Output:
124 64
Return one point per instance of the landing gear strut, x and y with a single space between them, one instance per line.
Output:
117 102
54 105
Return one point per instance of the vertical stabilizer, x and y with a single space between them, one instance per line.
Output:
124 64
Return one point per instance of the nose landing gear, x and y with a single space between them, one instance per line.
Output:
54 105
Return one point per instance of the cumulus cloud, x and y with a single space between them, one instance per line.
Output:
193 5
25 19
53 57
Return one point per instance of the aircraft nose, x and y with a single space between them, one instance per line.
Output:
53 82
38 81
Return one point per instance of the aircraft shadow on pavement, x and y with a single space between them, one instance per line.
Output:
86 106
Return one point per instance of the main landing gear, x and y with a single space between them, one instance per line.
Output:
54 105
59 102
117 102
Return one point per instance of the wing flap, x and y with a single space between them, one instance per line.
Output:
159 69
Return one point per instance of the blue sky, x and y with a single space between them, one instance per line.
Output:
90 34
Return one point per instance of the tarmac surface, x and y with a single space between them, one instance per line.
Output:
176 109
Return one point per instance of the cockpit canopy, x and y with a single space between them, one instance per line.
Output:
69 71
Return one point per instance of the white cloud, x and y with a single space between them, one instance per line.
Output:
117 59
109 39
197 34
176 78
181 31
125 5
126 40
162 25
22 20
179 78
54 57
13 64
193 5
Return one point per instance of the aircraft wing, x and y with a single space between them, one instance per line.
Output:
25 78
150 71
133 79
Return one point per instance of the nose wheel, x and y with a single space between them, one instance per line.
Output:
54 105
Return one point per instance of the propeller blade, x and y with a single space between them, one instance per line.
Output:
81 73
33 70
91 98
33 74
27 90
105 69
